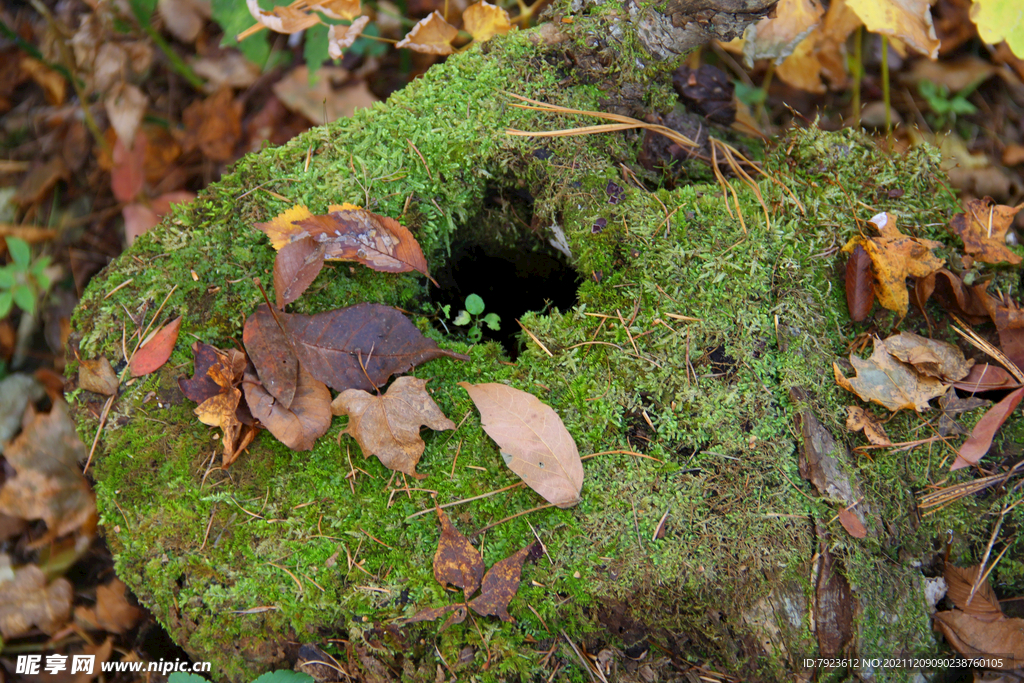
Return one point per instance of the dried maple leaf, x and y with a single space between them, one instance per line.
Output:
896 257
340 38
858 419
980 440
305 420
49 484
359 347
483 20
533 440
98 377
274 358
929 356
501 583
220 405
151 356
983 230
456 561
26 601
431 35
388 426
888 382
908 20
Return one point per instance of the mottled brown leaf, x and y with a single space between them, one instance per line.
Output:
26 601
930 357
952 405
296 266
270 352
888 382
983 229
501 583
456 561
457 616
980 440
388 426
1001 642
959 581
533 440
359 347
97 376
154 353
303 422
858 419
860 284
952 294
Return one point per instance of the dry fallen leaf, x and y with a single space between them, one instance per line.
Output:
895 257
97 376
533 440
888 382
501 583
26 601
214 386
388 426
483 20
112 612
952 405
456 561
336 94
980 440
858 419
959 581
983 230
338 9
214 125
275 361
848 518
907 20
431 35
125 105
151 356
860 284
283 18
930 357
1000 642
341 38
303 422
986 377
776 38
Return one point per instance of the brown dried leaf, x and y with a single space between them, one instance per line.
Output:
930 357
112 612
501 583
388 426
986 377
952 405
895 257
296 266
125 105
533 440
851 522
431 35
275 361
858 419
1002 642
860 284
456 561
483 20
151 356
959 581
886 381
49 484
458 615
910 21
283 18
214 125
339 9
26 601
303 422
202 385
341 38
359 347
980 440
97 376
983 230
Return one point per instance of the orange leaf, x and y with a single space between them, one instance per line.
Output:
983 230
484 20
303 422
848 518
339 9
154 353
432 35
858 419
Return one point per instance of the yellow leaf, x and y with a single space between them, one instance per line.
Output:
907 20
339 9
1000 20
484 20
280 230
777 38
432 35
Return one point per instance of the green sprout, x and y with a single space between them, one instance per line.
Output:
472 315
945 105
22 281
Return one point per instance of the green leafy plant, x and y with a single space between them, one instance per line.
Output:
945 106
472 315
22 281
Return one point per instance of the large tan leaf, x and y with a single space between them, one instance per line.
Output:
886 381
432 35
930 357
300 424
907 20
533 440
388 426
483 20
1001 642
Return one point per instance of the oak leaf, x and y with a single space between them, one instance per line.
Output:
359 347
983 229
151 356
299 425
388 426
431 35
456 561
533 440
888 382
483 20
97 376
895 257
930 357
907 20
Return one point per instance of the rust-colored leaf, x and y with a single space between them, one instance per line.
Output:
27 601
851 522
97 376
359 347
300 424
225 409
296 266
431 35
986 377
456 561
888 382
930 357
896 257
959 581
858 419
275 361
388 426
112 612
980 440
953 295
151 356
1001 642
860 284
533 440
457 616
501 583
983 229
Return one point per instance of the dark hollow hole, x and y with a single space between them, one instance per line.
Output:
510 280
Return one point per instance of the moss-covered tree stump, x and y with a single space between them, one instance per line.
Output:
691 341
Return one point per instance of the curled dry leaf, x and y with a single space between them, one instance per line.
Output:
501 583
983 230
895 257
27 601
959 582
980 440
388 426
283 18
112 613
214 387
888 382
359 347
858 419
860 284
533 440
341 38
456 561
296 266
272 354
483 20
97 376
930 357
776 38
431 35
151 356
303 422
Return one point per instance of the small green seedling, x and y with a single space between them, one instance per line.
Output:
472 315
22 281
944 105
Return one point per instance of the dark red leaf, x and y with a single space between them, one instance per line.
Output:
986 377
860 284
980 440
154 353
270 352
296 266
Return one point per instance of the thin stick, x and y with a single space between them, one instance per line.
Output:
466 500
984 557
510 517
534 338
415 149
99 430
294 578
639 455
